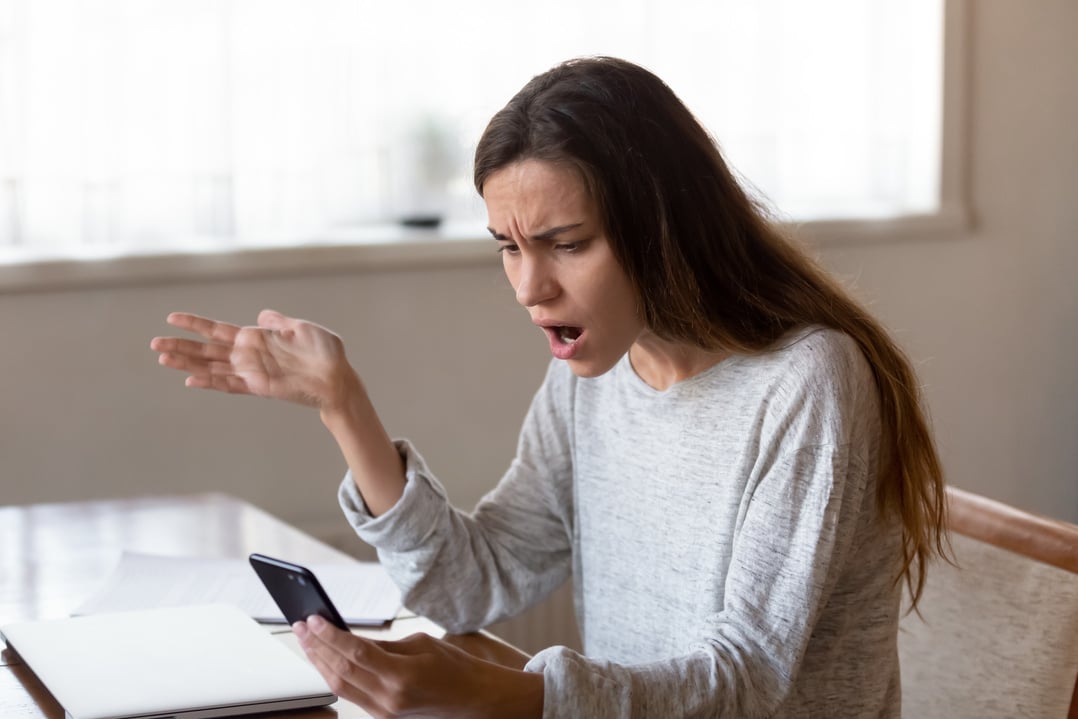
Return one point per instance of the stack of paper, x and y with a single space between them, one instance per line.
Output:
362 591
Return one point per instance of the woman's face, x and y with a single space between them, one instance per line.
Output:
559 262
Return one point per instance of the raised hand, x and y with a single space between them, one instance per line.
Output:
281 357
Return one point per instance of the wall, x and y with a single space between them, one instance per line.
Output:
449 358
990 318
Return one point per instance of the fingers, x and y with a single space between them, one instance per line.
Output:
210 329
210 366
190 349
356 648
193 352
222 383
348 663
209 363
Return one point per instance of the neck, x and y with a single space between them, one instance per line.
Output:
662 364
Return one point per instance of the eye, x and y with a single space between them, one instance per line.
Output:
569 247
508 249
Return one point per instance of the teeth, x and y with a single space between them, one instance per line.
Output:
566 335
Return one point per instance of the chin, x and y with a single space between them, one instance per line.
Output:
590 369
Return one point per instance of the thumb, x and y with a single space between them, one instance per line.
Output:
279 325
272 320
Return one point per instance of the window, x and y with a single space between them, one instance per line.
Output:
164 125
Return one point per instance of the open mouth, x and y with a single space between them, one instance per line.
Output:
567 335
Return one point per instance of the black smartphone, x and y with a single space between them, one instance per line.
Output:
296 590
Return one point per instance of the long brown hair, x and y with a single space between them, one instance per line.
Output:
709 267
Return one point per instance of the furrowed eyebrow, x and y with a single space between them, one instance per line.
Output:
554 232
544 236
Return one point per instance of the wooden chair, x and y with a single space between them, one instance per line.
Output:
998 634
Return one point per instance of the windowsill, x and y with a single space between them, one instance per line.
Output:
950 222
368 249
383 248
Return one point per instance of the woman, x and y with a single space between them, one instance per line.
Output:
727 454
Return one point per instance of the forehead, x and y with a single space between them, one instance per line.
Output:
537 192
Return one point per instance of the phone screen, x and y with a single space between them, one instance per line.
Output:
296 590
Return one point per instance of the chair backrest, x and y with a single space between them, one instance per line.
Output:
997 635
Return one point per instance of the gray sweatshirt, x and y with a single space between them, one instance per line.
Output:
723 535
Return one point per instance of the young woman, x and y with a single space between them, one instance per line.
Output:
727 454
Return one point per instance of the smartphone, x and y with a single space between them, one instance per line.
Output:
296 590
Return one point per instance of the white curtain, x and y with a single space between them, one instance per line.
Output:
143 125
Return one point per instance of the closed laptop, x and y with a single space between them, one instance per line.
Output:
190 662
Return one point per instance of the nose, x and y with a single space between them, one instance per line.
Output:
535 282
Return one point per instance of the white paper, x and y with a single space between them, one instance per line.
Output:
362 591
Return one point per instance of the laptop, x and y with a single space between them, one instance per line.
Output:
192 662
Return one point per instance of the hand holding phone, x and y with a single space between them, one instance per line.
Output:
296 591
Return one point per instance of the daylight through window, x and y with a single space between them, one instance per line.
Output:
150 125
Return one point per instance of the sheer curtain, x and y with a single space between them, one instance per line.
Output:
143 125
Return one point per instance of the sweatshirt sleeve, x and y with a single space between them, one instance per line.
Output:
468 570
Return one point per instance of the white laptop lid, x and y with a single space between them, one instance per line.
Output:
185 662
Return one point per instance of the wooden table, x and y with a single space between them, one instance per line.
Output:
53 556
